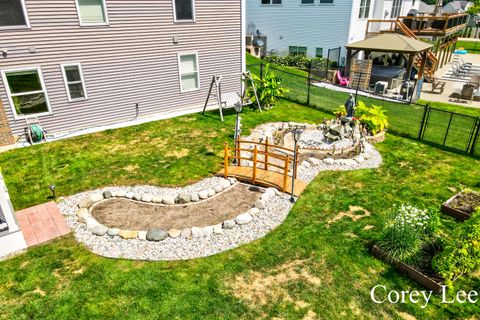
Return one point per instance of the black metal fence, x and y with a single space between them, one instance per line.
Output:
452 130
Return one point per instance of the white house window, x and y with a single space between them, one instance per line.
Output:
326 1
364 9
184 10
92 12
297 51
396 8
271 1
13 14
74 83
26 92
319 53
308 1
189 75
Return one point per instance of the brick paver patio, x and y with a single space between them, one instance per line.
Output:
42 223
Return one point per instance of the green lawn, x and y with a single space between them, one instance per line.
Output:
302 268
472 46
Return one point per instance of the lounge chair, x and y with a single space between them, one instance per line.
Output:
343 81
467 93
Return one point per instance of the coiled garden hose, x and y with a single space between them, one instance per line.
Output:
36 132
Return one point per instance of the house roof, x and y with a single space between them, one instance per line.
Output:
425 8
390 42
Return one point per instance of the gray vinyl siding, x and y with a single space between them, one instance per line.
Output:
133 60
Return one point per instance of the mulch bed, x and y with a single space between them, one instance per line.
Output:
133 215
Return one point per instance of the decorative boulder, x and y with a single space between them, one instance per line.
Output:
99 230
96 197
91 223
137 197
229 224
127 235
113 232
186 233
211 192
157 199
253 211
156 235
129 195
82 215
142 235
259 204
206 231
232 180
218 188
195 197
217 229
203 194
120 194
174 233
225 184
147 198
329 161
168 200
314 161
184 198
85 203
197 232
107 194
243 218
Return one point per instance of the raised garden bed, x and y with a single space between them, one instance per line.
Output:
462 205
427 280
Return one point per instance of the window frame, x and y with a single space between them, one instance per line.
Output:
330 3
307 4
93 24
297 51
316 52
180 74
363 9
272 4
9 93
27 21
82 81
194 14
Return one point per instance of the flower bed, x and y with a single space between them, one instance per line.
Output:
462 205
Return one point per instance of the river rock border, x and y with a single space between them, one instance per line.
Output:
267 213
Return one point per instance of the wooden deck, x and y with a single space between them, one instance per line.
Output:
265 178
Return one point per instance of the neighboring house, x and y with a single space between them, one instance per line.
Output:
457 7
11 237
81 63
425 8
312 27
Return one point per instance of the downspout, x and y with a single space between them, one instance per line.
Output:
243 35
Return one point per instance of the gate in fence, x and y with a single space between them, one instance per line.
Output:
450 129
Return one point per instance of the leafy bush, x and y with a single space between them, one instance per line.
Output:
296 61
408 233
269 88
462 252
373 117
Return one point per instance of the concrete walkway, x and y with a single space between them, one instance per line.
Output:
42 223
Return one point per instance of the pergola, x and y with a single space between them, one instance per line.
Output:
391 43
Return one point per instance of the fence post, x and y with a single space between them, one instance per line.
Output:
225 150
422 124
309 81
476 134
266 155
285 175
296 163
237 149
254 175
261 70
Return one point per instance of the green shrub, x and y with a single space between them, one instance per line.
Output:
296 61
269 88
462 253
373 117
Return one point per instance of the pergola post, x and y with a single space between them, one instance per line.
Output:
422 65
348 61
411 58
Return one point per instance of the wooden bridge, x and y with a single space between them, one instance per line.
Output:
268 169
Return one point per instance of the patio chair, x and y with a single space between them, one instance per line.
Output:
457 72
343 81
467 93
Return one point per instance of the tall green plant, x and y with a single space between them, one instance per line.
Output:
268 88
373 117
462 252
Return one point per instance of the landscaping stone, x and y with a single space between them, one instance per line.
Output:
195 197
329 161
186 233
82 215
156 235
232 180
203 194
96 197
99 230
113 232
137 197
217 229
218 188
184 198
253 211
314 161
157 199
147 198
142 235
207 231
360 159
225 184
129 195
259 204
107 194
127 234
169 200
211 192
243 218
229 224
91 222
174 233
120 194
85 203
306 164
197 232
